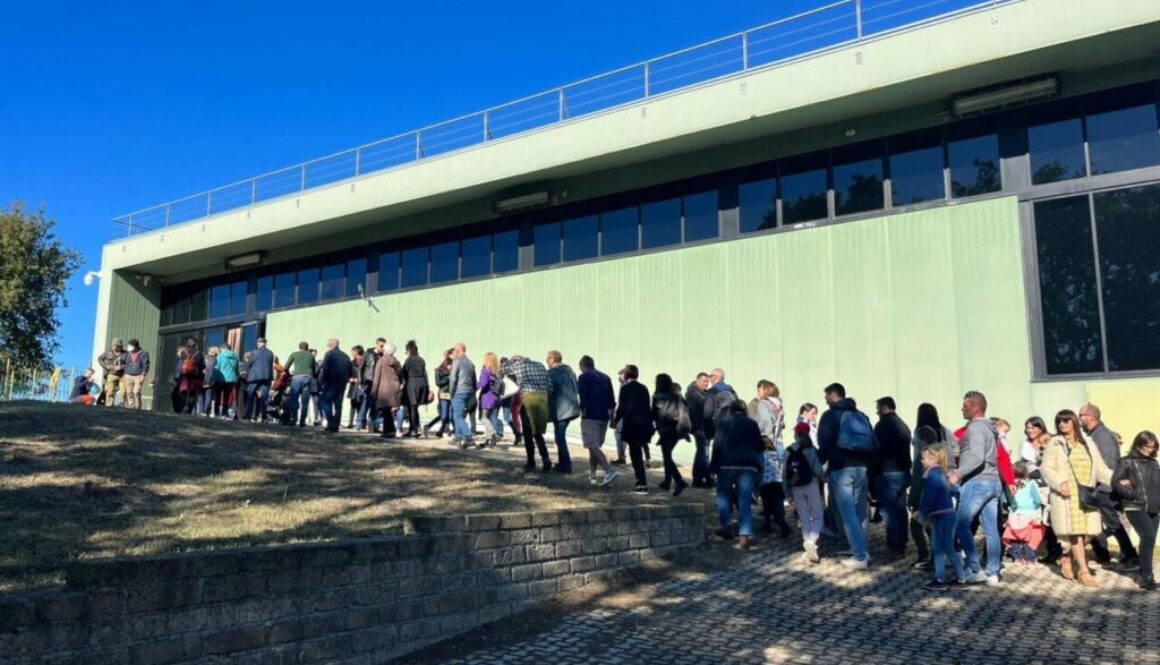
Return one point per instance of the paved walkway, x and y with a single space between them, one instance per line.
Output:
771 606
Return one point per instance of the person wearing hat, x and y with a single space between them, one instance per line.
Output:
803 473
112 362
259 376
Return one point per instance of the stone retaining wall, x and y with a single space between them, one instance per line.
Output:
351 602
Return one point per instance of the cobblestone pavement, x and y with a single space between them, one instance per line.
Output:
772 606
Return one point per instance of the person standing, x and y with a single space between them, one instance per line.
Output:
1072 471
490 388
846 445
366 413
695 395
462 382
259 375
936 507
671 418
1137 482
136 371
208 400
386 390
112 363
736 460
333 378
802 471
1107 444
634 411
534 388
190 376
443 388
354 391
300 365
977 476
597 406
229 365
892 473
769 414
563 406
415 388
928 429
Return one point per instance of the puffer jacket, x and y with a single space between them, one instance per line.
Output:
1144 475
666 413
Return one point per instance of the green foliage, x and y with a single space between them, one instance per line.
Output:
34 267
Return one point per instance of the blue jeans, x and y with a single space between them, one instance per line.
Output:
459 415
564 465
743 479
980 498
942 529
851 496
890 491
257 399
298 385
701 460
330 402
366 407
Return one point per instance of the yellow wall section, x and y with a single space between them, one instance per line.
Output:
922 306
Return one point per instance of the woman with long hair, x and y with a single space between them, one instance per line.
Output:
1137 482
935 433
667 407
1072 472
490 386
1031 453
414 387
443 386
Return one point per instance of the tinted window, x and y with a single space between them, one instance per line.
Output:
974 166
618 231
213 337
388 271
167 315
660 223
1067 286
505 248
284 290
803 196
238 293
198 305
701 217
581 238
758 205
1124 139
414 270
1056 151
444 262
265 299
916 176
476 257
858 186
1128 228
219 301
356 276
181 310
547 244
333 278
308 286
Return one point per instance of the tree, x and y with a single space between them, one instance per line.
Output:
34 267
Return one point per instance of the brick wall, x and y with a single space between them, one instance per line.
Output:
351 602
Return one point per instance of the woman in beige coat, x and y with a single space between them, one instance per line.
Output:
1067 462
386 389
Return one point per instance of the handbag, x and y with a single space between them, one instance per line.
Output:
1087 494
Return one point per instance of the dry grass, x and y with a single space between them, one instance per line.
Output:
81 482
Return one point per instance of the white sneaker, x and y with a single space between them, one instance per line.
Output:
856 564
812 552
977 578
608 478
592 480
992 580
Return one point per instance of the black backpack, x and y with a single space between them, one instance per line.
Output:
798 472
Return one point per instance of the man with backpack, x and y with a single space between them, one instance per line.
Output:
846 445
977 475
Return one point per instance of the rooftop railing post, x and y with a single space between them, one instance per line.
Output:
485 128
209 203
168 212
561 103
302 180
858 17
357 161
646 76
418 145
745 51
130 226
253 191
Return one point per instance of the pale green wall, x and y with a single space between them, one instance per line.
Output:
135 314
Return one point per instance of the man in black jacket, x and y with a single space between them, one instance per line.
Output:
890 475
1107 445
846 473
695 396
333 377
367 378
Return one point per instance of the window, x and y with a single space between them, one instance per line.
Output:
1128 230
546 242
581 238
219 301
1056 150
356 277
198 304
660 223
238 293
265 296
388 272
758 206
1067 286
858 185
916 174
1124 139
414 267
444 262
619 231
974 166
333 278
284 290
308 281
803 196
213 337
505 249
701 219
476 257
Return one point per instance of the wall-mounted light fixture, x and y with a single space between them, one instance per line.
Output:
244 260
519 203
1005 95
91 277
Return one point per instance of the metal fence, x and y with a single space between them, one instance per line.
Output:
51 384
807 34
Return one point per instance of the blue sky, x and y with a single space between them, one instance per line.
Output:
108 108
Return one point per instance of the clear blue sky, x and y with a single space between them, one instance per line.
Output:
108 108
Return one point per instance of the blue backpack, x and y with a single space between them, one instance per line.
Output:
855 435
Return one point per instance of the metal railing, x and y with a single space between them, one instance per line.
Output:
810 33
44 384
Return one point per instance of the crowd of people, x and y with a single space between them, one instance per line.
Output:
1060 490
